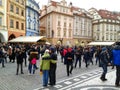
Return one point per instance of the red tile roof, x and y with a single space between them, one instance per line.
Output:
54 3
74 8
107 14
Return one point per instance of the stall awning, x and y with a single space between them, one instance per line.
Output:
28 39
101 43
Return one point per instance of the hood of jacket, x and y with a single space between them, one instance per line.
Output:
117 47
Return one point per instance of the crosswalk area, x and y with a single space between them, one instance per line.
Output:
79 82
73 81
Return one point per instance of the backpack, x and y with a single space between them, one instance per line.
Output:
33 61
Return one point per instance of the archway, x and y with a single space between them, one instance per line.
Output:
2 39
11 37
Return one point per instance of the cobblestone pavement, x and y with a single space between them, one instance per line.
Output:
10 81
86 81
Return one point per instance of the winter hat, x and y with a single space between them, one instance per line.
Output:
104 48
46 51
52 49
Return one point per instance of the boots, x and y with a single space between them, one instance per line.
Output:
103 77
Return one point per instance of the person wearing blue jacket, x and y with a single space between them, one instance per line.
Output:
116 61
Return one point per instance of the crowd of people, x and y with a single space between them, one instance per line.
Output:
71 56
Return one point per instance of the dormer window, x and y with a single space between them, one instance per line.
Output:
17 0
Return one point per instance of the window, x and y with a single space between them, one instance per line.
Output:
107 36
17 0
22 26
34 15
58 32
98 27
17 25
64 34
11 23
0 21
28 12
17 10
0 2
69 24
97 36
58 23
115 38
64 24
22 13
59 16
111 36
111 27
29 25
69 33
11 8
22 2
34 26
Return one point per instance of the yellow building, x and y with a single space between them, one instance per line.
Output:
3 26
16 18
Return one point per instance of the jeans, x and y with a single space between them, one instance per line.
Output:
78 59
32 68
45 77
2 61
104 67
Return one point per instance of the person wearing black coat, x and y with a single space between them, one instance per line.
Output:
69 61
104 62
53 67
24 56
19 58
78 54
86 57
2 57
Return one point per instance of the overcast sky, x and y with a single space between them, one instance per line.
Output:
113 5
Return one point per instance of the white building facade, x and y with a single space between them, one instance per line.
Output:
82 29
59 22
65 24
3 26
106 25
